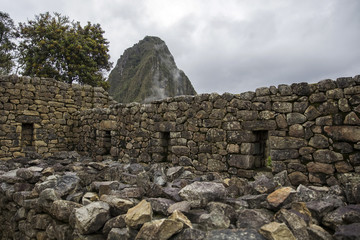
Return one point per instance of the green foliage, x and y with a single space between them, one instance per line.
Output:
52 46
269 162
7 46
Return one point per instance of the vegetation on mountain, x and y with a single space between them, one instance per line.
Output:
146 72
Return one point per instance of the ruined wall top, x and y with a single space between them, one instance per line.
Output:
49 89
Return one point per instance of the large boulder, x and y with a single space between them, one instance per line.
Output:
234 234
336 218
319 208
254 201
200 193
117 205
161 229
191 233
121 234
116 222
351 231
280 196
214 220
305 194
263 184
61 209
92 217
252 218
63 185
160 205
318 233
138 215
46 199
294 222
276 231
180 217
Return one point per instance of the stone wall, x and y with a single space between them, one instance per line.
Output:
36 114
187 147
310 130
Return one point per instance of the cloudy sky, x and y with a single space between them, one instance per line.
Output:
227 46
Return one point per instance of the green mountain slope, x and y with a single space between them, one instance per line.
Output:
147 72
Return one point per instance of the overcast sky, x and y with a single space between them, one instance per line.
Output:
226 45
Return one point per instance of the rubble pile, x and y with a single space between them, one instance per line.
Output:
68 196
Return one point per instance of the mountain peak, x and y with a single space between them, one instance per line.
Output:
152 39
147 72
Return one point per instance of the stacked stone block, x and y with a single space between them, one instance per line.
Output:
45 108
310 130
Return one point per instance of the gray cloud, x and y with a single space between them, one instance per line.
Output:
228 46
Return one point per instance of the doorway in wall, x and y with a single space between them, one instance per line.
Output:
165 143
107 142
262 152
27 136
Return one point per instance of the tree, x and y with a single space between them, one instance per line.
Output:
7 46
52 46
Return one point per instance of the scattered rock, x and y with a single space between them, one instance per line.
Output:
161 205
263 184
234 234
46 198
89 197
252 218
138 215
120 234
336 218
295 223
318 233
161 229
183 206
254 201
214 220
116 222
174 172
305 194
117 205
200 193
276 231
92 217
61 209
351 231
279 196
206 206
191 233
319 208
223 208
180 217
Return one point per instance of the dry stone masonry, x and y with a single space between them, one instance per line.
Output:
310 130
278 163
36 115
